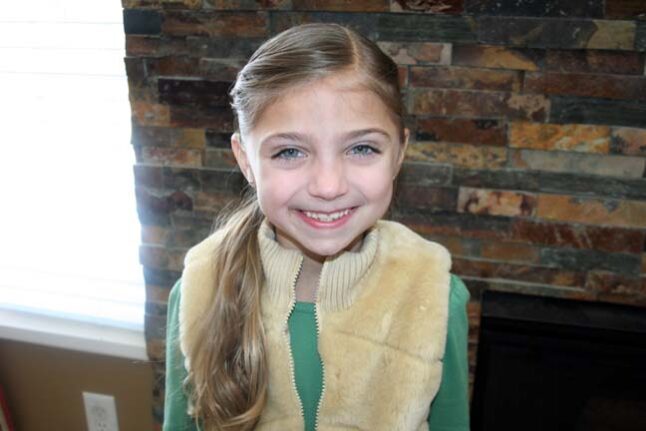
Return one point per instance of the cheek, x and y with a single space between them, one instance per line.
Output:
375 183
275 188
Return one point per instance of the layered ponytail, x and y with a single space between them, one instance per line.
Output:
228 375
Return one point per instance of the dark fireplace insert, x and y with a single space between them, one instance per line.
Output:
553 364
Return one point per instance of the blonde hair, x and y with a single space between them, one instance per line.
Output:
228 375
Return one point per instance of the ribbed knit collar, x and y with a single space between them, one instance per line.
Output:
339 275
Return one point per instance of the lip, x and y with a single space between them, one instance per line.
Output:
327 225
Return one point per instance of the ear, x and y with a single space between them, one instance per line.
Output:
402 151
241 157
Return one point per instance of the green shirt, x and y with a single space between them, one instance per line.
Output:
449 408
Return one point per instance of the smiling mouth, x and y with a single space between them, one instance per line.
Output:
327 217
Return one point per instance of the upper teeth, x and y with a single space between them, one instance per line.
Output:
327 217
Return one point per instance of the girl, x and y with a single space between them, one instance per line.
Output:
305 310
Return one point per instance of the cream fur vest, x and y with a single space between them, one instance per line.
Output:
382 318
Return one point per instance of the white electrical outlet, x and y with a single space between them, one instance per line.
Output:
100 411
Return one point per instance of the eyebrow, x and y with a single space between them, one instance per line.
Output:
294 136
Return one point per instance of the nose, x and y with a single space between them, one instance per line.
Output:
327 180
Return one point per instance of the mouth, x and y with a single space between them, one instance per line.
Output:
327 219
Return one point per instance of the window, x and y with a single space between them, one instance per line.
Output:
69 227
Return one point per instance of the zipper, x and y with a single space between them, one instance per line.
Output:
318 334
292 304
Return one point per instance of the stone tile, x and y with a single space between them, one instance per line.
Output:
561 33
396 27
628 113
148 176
212 201
464 225
517 272
430 6
497 57
171 156
426 198
160 277
576 292
564 137
247 4
417 52
479 104
192 117
640 36
588 260
605 212
175 237
219 158
196 92
586 85
222 24
155 235
496 202
150 114
222 180
595 61
216 139
485 132
545 8
467 78
509 251
553 182
365 24
425 174
590 164
625 8
186 219
139 45
474 156
402 76
606 282
157 294
142 21
153 209
231 48
168 137
613 35
162 257
628 141
185 179
175 4
135 70
363 6
173 66
608 239
456 245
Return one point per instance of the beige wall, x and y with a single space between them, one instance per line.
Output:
44 387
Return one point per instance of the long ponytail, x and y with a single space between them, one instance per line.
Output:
228 375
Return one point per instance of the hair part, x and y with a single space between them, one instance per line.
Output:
228 377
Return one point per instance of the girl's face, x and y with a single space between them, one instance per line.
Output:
323 159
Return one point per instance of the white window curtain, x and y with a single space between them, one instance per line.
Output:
69 232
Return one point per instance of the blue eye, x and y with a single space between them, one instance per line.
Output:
288 154
364 150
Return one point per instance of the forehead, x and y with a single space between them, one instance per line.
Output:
326 109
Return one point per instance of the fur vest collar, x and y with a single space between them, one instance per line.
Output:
382 321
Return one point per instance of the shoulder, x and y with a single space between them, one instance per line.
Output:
203 250
460 295
175 293
402 240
